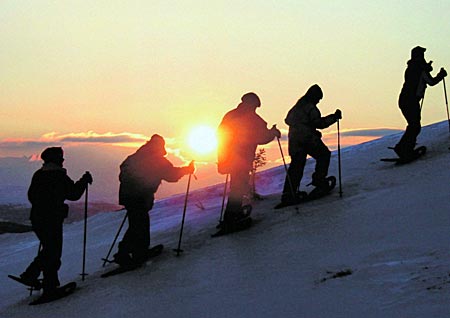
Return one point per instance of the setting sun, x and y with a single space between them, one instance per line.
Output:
202 139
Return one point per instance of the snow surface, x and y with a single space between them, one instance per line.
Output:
382 250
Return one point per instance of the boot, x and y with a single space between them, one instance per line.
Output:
319 181
123 259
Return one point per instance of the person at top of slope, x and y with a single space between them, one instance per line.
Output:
417 77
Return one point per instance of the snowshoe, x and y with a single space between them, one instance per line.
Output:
418 152
300 197
246 210
323 190
231 227
35 284
130 264
56 294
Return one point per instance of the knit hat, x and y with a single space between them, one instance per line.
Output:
251 99
53 154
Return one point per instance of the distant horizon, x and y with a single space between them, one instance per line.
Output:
104 165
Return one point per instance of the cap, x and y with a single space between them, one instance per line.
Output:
418 51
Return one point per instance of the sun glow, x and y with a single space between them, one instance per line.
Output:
202 139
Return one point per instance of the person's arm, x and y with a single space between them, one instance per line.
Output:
74 190
430 80
320 122
173 174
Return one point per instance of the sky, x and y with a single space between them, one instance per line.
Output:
112 73
372 253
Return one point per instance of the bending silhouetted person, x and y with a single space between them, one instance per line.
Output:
240 132
50 187
140 176
417 77
303 119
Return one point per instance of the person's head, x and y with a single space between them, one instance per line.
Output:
155 145
314 94
251 99
418 53
53 155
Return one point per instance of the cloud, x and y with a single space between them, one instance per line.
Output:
90 137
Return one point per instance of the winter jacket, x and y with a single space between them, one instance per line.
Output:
240 132
50 187
303 120
141 174
417 77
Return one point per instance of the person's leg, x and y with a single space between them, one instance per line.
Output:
405 147
137 237
33 271
294 175
320 152
51 237
239 186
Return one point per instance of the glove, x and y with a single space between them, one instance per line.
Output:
191 168
87 178
275 131
338 114
442 73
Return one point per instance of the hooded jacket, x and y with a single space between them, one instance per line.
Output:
303 119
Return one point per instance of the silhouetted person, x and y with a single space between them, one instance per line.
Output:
140 176
240 132
417 77
303 119
50 187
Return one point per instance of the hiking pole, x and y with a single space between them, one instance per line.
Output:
106 259
83 274
223 198
287 173
446 104
179 250
421 103
339 158
286 169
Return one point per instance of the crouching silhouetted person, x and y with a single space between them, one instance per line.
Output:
140 176
50 187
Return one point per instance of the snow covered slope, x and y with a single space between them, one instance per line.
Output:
382 250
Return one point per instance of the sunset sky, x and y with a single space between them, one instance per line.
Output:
110 73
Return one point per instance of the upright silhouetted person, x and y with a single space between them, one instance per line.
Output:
140 176
240 132
303 119
50 187
417 77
